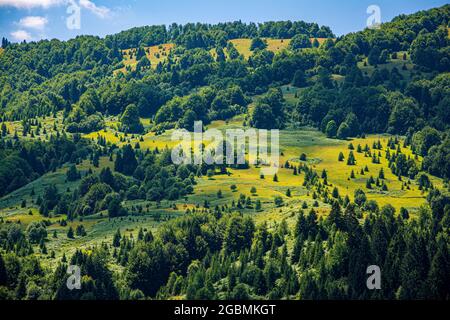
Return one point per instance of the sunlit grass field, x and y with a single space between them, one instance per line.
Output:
47 126
155 54
160 53
321 152
275 45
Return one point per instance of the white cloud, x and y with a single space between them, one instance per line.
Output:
30 3
33 22
100 11
21 35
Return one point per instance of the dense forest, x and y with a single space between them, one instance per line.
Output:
76 77
218 252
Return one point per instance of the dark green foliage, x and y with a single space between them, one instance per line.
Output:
429 49
331 129
96 283
72 174
80 231
360 197
126 161
70 233
269 111
24 162
216 253
130 122
115 208
300 41
278 201
351 161
257 44
437 161
423 140
299 79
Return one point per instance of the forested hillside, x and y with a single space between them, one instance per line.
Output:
86 176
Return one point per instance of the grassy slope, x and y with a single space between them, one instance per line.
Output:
47 123
157 54
275 45
391 63
99 227
322 154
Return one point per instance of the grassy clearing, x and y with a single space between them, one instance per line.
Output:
155 54
275 45
243 45
101 229
159 53
322 153
10 204
339 173
110 135
290 94
47 127
398 63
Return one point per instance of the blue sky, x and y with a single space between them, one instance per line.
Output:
37 19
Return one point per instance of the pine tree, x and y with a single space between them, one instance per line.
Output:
335 214
70 233
140 234
80 231
296 251
351 161
335 193
381 174
258 205
438 277
358 148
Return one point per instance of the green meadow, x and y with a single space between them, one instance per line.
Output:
321 154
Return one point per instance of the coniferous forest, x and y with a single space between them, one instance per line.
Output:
87 179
